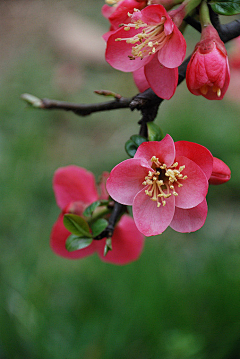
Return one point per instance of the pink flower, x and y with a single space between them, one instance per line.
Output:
151 41
208 71
75 189
166 184
221 173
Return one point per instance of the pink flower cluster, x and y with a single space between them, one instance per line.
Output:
166 184
75 189
145 40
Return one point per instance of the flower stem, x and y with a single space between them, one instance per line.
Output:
204 14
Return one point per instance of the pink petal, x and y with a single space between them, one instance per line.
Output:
102 186
73 184
221 173
197 153
107 11
189 220
173 52
153 14
164 150
150 219
58 239
162 80
127 243
126 179
194 188
140 79
118 52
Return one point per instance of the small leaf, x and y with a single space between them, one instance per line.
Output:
76 225
90 209
137 139
73 243
154 132
108 246
131 148
224 7
99 226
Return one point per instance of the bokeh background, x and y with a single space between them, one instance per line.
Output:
181 299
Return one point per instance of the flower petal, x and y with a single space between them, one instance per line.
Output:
189 220
71 184
153 14
126 179
197 153
150 219
127 243
194 188
58 239
173 52
118 52
164 150
221 173
140 80
162 80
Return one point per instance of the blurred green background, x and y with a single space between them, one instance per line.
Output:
181 299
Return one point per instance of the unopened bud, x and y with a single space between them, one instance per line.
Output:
221 173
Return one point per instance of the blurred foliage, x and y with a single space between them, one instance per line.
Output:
181 299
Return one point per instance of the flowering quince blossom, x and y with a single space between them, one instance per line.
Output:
208 71
75 189
150 41
166 184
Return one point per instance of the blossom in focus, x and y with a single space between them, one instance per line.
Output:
151 41
221 173
166 183
75 189
208 71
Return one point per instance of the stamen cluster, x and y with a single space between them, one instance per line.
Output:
160 182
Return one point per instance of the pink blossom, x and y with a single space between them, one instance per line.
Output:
221 173
166 184
75 189
151 41
208 71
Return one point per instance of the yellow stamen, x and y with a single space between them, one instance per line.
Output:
160 183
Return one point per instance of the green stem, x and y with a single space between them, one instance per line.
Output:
204 14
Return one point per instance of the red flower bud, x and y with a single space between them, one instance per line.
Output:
208 71
221 173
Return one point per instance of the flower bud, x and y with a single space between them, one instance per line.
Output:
221 173
208 71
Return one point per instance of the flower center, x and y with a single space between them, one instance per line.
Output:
205 88
162 180
151 39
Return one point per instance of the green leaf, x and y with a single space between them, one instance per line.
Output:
138 140
154 132
76 225
90 209
99 226
73 243
130 148
223 7
108 246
